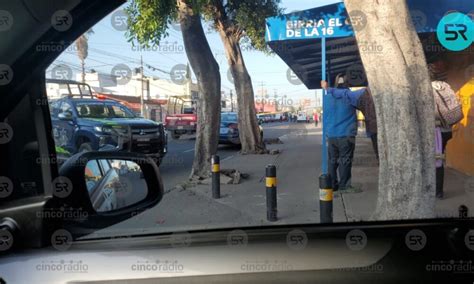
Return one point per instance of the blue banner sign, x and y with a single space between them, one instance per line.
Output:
327 21
332 21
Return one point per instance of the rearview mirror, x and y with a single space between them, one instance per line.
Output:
109 186
65 115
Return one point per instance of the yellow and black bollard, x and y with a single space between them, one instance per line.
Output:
325 199
216 177
271 185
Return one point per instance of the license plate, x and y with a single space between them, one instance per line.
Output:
143 139
180 127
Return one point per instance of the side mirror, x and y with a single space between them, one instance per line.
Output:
65 115
109 186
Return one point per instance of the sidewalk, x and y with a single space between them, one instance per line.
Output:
298 168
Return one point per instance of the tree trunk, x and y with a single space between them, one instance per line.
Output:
206 70
249 132
400 84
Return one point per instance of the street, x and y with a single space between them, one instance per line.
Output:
176 166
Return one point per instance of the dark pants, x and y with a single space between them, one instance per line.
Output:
445 136
340 154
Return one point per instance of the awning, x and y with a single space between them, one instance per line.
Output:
296 37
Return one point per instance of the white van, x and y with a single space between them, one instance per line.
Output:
302 117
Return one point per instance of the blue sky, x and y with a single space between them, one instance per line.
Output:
108 47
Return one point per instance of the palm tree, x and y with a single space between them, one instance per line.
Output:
82 51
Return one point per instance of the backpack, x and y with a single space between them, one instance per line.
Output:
448 105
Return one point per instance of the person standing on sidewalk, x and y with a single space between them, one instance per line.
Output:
341 129
363 101
316 119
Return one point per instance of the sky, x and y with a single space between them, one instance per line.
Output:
109 47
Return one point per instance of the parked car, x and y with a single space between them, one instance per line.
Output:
181 117
83 122
229 132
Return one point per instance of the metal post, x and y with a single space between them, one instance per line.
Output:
325 199
271 184
216 177
324 166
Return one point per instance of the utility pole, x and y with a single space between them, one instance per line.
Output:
231 102
142 105
263 97
275 96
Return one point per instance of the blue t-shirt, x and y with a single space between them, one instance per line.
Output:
339 112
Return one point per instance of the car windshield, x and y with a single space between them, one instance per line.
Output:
229 117
102 110
325 117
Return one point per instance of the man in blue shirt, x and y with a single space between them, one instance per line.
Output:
341 129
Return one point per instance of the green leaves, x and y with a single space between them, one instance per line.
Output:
148 20
249 16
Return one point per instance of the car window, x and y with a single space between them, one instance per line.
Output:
55 108
105 165
93 110
120 112
143 79
66 107
93 174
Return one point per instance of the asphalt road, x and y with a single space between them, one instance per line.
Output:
176 166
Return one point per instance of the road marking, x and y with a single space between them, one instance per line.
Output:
227 158
187 151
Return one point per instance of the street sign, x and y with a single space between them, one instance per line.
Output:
329 21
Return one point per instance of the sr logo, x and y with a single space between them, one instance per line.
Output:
62 187
6 74
179 74
469 239
119 20
6 240
356 240
415 240
297 239
237 238
455 31
61 239
61 20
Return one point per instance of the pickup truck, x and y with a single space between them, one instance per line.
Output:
83 122
181 117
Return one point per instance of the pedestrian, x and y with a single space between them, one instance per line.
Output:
363 101
341 129
316 119
448 111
